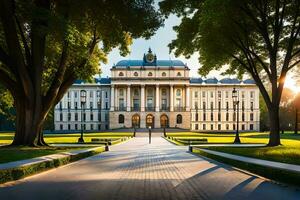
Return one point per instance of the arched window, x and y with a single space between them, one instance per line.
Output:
121 119
179 119
136 74
150 74
178 74
121 74
164 74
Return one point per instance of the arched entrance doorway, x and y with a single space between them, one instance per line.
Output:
136 121
149 121
164 121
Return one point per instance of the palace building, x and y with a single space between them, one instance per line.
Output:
158 93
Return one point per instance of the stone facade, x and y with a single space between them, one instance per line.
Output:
159 93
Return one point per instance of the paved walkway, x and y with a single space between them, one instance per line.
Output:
136 170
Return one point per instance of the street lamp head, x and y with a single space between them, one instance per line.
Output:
83 96
150 127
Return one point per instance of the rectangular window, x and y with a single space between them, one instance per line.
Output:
69 127
106 105
76 116
211 127
251 127
243 94
204 126
76 126
204 116
76 105
243 127
84 117
251 116
219 106
106 95
227 106
91 94
91 105
251 106
219 94
69 105
75 94
252 94
196 94
196 117
219 117
68 94
219 127
243 117
211 105
92 126
211 94
61 127
211 116
196 104
227 126
121 104
99 116
92 117
61 117
204 105
196 127
233 126
226 94
227 116
203 94
69 116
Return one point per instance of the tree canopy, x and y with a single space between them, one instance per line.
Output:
47 44
255 37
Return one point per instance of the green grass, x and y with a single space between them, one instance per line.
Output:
6 138
9 154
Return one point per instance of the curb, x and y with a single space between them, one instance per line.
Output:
20 169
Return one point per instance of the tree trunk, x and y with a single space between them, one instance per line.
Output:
274 139
29 124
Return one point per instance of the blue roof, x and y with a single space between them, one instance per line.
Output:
97 80
196 80
211 81
249 81
230 81
163 63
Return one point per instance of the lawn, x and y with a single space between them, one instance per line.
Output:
288 152
6 138
9 154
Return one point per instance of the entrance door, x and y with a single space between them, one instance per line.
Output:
164 121
149 121
136 121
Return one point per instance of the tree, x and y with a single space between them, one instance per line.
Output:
296 103
257 37
46 45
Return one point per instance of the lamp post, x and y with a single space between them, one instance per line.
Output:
82 101
149 134
236 101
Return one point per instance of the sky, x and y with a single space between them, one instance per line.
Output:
159 45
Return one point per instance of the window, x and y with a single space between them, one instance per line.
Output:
69 105
251 106
226 94
196 104
204 105
227 116
251 117
233 126
243 94
219 117
121 92
136 92
196 94
219 106
76 116
178 92
99 117
61 127
227 126
61 117
204 126
211 117
211 105
178 74
92 126
121 74
84 117
76 105
150 74
252 94
203 94
68 94
164 92
121 119
196 127
69 116
98 93
219 127
76 126
211 127
243 127
92 117
179 119
234 116
91 105
212 94
91 94
164 74
121 104
227 106
243 117
69 127
106 105
136 74
243 105
106 94
196 117
251 127
75 94
219 94
204 116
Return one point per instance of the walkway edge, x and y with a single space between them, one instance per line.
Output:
20 169
282 172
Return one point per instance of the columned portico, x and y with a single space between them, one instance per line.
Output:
142 98
112 99
171 98
128 102
157 100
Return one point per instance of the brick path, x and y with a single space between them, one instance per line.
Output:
136 170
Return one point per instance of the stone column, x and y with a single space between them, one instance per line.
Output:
171 98
157 99
187 98
112 98
142 98
128 101
116 98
